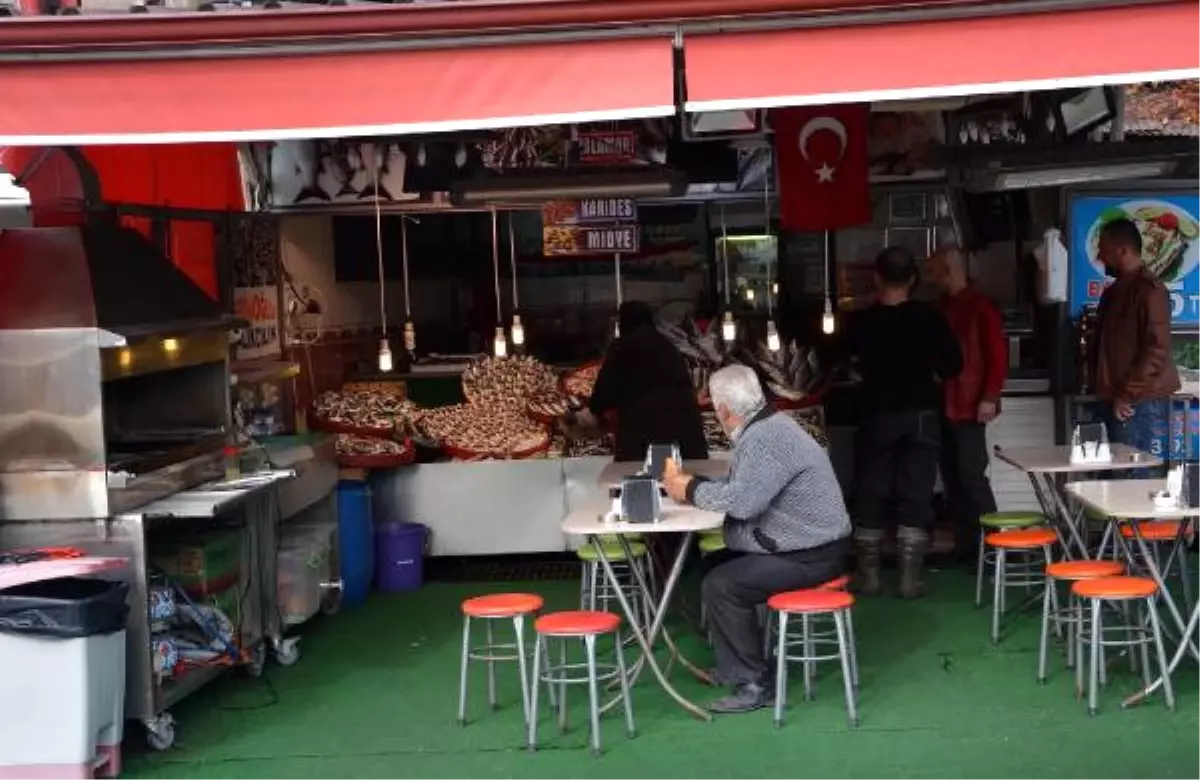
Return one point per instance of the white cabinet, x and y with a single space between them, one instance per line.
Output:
1023 422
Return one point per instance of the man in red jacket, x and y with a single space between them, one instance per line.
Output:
971 399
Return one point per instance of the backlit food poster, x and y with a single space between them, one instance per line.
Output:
1170 227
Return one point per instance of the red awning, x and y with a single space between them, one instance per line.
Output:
335 95
924 59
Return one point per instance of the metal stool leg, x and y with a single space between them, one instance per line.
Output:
538 678
462 672
630 729
1044 636
980 568
847 678
1073 617
589 643
1080 664
809 667
493 702
781 669
1144 633
1097 634
853 648
997 594
519 628
562 686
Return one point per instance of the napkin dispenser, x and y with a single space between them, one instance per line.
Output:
1089 444
657 456
641 501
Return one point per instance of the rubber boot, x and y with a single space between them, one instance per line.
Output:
911 546
868 551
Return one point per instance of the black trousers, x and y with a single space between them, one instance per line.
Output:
733 590
896 469
964 475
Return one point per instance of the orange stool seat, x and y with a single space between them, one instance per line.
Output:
1084 570
839 583
815 600
1024 539
577 623
500 605
1158 531
1115 588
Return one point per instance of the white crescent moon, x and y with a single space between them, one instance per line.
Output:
817 124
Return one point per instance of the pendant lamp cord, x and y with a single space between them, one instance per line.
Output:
512 259
404 259
617 269
725 254
767 227
496 264
379 243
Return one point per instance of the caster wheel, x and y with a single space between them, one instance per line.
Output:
287 652
258 662
160 732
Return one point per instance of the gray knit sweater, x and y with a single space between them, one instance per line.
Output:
781 494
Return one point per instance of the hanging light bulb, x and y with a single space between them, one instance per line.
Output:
616 330
385 356
828 323
410 337
499 343
518 331
460 156
774 288
728 328
750 293
772 337
421 156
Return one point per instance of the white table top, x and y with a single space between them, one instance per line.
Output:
1057 460
613 473
588 519
1127 499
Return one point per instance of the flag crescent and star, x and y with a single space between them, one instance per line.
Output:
816 125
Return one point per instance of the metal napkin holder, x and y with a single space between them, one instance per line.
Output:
641 499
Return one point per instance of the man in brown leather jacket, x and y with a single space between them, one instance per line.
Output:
1135 374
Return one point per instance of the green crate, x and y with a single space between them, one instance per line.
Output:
203 565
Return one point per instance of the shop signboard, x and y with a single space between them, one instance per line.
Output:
590 226
1170 227
258 306
608 147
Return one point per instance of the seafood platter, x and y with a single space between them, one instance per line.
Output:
370 452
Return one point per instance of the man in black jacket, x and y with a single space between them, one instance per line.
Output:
903 349
645 381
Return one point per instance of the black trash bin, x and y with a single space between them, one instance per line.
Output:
64 608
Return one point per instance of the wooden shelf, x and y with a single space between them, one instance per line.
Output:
249 372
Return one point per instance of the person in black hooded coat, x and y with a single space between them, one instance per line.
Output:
645 381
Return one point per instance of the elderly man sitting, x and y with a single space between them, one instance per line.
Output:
786 527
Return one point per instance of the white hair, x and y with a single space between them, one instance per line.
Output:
737 387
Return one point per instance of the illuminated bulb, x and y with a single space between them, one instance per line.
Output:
460 156
171 345
410 338
616 330
774 288
749 293
518 331
499 343
728 327
385 356
125 358
828 324
772 337
421 156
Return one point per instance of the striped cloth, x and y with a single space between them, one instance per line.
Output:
781 494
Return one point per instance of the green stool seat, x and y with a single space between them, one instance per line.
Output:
612 551
711 543
1004 521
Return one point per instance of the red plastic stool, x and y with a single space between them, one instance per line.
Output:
1122 591
498 606
1072 616
809 604
814 630
1025 540
587 626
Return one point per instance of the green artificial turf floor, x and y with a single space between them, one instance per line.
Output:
375 691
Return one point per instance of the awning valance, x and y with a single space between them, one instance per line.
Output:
335 95
924 59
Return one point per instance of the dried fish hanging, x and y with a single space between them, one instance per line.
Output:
728 326
410 333
385 349
772 331
499 342
518 330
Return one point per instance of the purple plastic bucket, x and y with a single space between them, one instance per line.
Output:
400 556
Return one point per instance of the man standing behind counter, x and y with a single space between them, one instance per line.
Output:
785 519
1135 374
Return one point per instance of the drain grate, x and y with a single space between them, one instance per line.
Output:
511 568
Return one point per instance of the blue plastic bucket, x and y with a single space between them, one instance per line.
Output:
356 542
400 556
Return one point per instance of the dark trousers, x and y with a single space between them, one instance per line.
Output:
964 476
734 589
1147 431
896 469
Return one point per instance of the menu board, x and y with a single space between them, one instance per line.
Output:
590 226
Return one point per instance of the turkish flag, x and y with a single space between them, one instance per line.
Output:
824 177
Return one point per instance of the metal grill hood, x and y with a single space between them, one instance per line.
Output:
102 276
